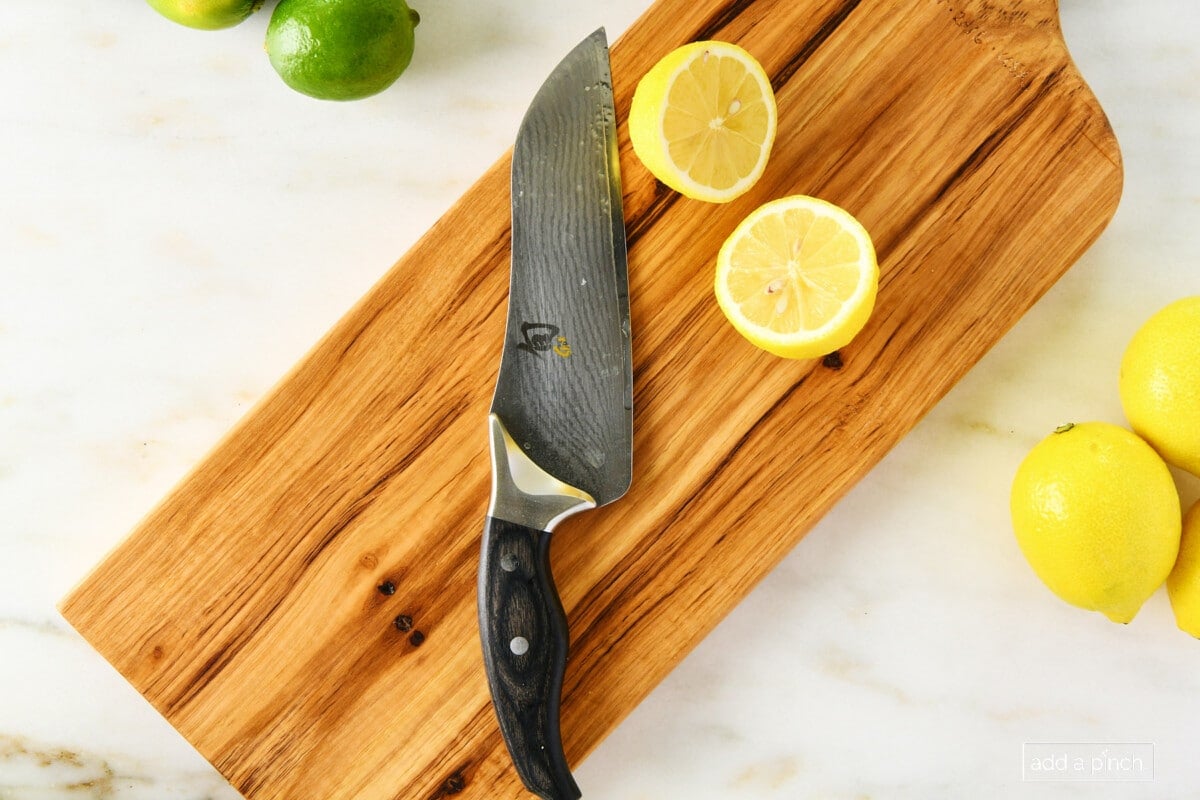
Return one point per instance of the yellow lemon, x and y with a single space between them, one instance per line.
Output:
1160 383
798 277
703 120
1096 513
1183 584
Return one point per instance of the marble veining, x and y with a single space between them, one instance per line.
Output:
34 771
176 229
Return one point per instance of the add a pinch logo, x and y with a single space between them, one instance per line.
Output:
1087 761
539 337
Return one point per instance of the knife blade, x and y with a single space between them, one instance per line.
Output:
561 421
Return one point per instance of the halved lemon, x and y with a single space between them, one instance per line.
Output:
703 120
798 277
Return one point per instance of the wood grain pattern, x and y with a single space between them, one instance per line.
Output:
245 607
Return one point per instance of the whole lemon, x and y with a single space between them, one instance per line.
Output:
1096 513
1160 383
1183 584
208 15
341 49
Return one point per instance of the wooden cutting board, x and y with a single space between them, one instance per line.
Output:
247 608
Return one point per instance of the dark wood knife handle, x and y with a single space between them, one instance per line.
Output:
524 633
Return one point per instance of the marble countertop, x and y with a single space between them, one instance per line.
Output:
177 228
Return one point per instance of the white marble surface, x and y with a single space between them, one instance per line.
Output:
177 228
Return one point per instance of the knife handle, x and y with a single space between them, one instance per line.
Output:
524 633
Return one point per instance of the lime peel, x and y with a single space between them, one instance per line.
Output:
206 15
341 49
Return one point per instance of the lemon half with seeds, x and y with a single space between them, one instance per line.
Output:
703 120
798 277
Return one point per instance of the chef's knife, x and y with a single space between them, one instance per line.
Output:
561 421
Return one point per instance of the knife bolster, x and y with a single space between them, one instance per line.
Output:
524 493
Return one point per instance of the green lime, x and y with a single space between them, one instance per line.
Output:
208 15
340 49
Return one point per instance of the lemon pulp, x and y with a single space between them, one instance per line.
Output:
703 120
798 277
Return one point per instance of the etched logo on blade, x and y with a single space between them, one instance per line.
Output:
540 337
